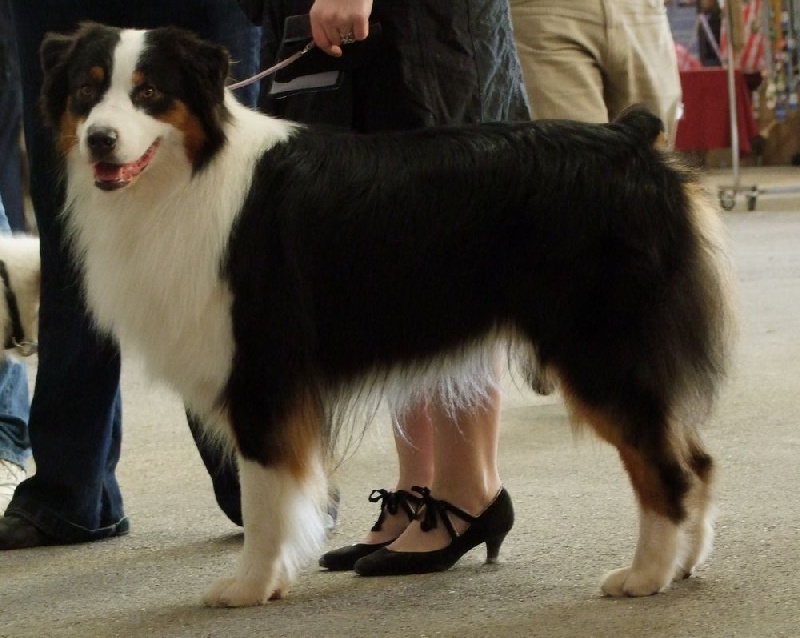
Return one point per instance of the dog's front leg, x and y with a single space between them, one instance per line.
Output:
283 528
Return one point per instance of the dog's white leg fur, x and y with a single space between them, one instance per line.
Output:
699 541
655 561
283 528
699 531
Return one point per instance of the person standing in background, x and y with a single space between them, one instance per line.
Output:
14 412
434 62
589 59
14 401
76 419
11 187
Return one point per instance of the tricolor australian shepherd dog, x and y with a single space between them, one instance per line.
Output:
271 272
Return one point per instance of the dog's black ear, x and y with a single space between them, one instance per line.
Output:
213 62
203 69
54 49
209 63
54 52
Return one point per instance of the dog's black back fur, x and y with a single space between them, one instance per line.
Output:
358 253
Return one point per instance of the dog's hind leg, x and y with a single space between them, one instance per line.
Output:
669 490
660 485
664 489
671 479
282 511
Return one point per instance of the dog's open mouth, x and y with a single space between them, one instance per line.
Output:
110 177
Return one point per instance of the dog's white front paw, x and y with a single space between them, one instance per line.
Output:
630 582
234 592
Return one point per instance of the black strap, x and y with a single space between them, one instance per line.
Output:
17 335
433 510
391 503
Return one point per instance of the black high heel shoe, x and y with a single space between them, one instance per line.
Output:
344 558
490 527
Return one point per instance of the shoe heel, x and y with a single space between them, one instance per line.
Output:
493 547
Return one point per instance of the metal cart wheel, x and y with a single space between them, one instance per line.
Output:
727 199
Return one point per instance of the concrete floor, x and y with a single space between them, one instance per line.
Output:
576 515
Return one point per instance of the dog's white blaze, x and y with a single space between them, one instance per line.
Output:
136 130
126 58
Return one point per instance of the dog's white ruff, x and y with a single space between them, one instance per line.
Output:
151 253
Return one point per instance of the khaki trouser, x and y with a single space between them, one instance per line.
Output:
589 59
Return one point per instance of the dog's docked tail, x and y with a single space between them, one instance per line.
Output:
642 124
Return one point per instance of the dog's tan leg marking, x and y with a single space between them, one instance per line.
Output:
284 527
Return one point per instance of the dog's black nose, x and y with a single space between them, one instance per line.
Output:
101 141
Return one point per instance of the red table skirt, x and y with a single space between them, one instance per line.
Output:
706 114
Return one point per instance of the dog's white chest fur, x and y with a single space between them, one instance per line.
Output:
152 254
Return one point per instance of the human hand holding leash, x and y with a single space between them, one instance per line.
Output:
337 22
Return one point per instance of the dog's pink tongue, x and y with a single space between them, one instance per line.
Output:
104 172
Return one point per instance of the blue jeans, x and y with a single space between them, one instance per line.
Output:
14 403
14 412
75 422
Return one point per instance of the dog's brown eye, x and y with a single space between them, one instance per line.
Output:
147 93
87 91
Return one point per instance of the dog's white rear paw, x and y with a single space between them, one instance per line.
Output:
233 592
683 574
630 582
